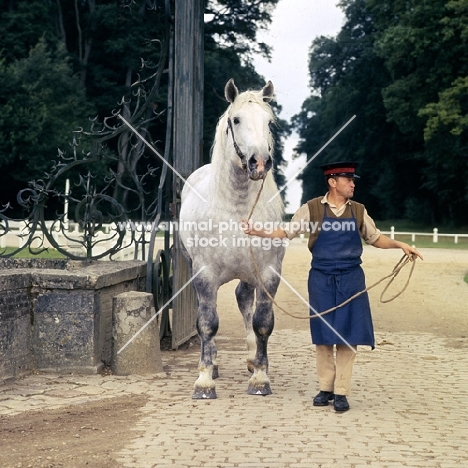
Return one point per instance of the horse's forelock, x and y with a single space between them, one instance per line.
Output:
251 96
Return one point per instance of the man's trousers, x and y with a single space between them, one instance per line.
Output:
334 372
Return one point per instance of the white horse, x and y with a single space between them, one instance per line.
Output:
214 200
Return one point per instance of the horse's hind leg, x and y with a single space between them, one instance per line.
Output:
262 324
207 327
245 294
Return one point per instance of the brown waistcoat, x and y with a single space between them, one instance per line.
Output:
316 210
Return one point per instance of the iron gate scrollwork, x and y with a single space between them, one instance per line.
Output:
108 193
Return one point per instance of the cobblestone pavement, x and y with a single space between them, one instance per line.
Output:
408 408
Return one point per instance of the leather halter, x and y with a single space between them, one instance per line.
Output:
239 153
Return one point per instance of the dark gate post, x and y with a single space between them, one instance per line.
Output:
188 146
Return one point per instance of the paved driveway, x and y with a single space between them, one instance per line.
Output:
408 407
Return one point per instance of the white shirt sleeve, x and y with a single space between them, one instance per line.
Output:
299 223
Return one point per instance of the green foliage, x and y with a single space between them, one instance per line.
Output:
23 23
41 101
65 61
401 68
234 24
449 114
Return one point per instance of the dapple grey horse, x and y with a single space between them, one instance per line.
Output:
214 200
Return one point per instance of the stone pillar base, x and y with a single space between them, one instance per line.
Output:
135 335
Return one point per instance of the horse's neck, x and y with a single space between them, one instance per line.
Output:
232 188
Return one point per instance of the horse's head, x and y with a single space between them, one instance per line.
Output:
248 121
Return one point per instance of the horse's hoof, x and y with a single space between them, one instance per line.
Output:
215 373
204 394
262 390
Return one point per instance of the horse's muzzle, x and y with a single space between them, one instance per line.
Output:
259 166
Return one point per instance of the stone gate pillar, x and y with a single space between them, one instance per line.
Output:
135 335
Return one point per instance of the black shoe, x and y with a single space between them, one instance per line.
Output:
341 403
322 398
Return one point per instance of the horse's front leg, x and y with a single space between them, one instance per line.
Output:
207 327
245 294
262 324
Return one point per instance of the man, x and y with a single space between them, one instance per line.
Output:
337 226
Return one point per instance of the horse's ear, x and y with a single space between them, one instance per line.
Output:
230 91
268 91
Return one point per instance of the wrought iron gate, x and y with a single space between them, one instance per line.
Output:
95 204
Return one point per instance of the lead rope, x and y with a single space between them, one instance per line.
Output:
396 269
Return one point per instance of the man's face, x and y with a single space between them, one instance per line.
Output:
345 186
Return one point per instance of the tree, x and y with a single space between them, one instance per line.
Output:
346 77
23 24
425 53
101 48
41 100
234 24
400 67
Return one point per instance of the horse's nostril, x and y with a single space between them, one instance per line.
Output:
259 163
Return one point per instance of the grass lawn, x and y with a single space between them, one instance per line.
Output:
425 241
49 253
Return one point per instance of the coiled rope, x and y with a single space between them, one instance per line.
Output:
396 270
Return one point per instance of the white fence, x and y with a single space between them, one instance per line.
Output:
18 235
435 235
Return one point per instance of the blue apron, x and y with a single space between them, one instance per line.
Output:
335 276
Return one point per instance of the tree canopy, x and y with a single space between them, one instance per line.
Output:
63 62
401 67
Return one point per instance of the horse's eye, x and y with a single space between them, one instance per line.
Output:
236 120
